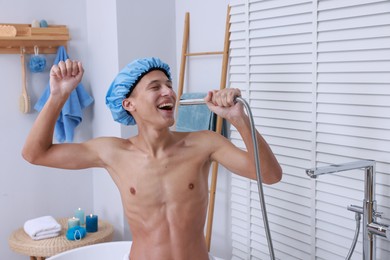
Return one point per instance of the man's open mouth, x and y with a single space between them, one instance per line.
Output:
166 106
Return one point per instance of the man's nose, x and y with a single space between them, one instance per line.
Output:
167 90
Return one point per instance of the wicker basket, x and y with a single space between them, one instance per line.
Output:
21 242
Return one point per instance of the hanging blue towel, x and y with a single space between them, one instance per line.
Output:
196 117
71 114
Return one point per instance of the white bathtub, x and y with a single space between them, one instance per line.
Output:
102 251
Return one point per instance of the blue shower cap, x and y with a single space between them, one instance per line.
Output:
125 82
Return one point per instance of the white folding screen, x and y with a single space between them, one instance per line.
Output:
317 76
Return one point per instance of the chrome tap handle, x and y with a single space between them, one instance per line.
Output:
378 214
379 229
356 209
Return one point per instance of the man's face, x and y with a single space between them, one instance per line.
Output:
153 100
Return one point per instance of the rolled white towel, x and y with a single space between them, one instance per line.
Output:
48 235
42 227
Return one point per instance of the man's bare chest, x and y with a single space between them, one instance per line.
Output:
162 178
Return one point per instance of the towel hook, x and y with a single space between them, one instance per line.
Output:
36 49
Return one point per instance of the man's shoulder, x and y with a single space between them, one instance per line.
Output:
109 141
198 136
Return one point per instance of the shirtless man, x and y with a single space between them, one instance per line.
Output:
162 175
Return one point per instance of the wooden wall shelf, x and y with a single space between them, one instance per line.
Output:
47 39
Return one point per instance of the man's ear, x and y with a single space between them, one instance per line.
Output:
128 104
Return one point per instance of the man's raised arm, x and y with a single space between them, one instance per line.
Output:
39 147
223 104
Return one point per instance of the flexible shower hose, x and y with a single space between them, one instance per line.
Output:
257 164
259 179
355 238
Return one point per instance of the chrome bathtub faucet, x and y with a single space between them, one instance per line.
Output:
370 226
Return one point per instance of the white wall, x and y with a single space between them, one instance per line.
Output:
28 191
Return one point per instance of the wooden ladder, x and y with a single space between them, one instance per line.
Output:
225 57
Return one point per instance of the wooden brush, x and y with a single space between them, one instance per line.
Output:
24 100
